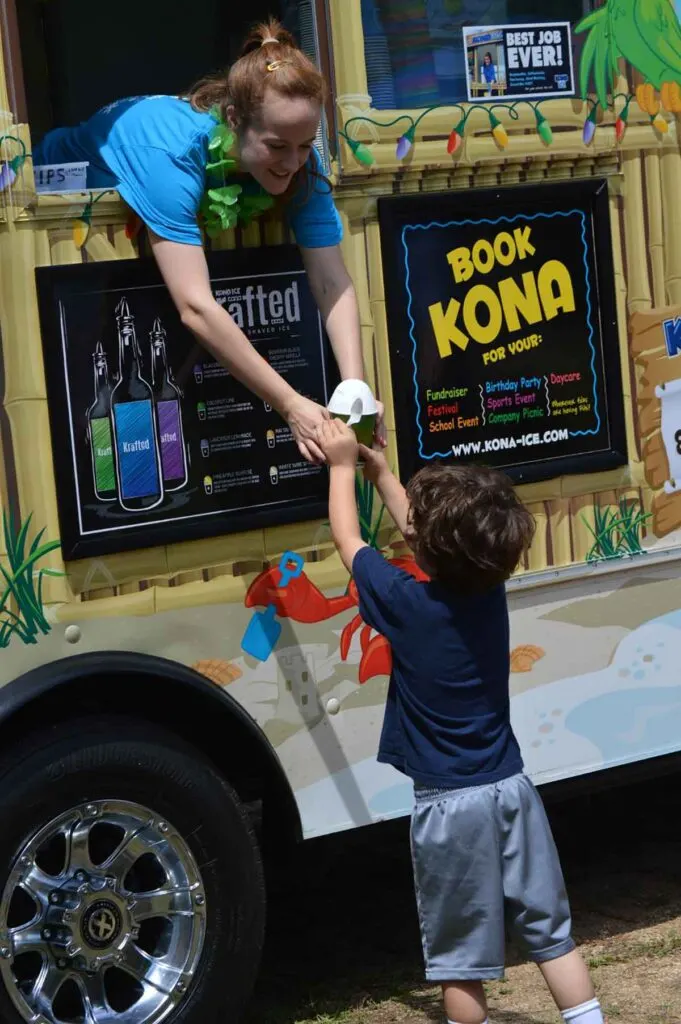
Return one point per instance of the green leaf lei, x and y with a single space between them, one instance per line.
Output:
223 207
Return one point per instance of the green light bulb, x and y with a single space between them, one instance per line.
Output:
544 130
361 153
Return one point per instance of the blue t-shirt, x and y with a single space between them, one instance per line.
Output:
154 150
447 718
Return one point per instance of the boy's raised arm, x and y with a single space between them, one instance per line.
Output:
339 444
393 494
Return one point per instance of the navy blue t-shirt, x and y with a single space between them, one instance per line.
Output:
447 718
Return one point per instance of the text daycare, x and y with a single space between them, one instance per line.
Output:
485 312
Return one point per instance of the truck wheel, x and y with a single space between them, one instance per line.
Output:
132 886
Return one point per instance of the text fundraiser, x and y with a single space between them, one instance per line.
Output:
501 343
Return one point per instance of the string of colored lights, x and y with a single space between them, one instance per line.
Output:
362 150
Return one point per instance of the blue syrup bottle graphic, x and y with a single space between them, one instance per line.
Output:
138 461
167 397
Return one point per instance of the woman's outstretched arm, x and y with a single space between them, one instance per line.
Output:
185 272
335 295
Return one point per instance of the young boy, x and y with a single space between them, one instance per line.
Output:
482 849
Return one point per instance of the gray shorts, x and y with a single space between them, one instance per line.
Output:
484 860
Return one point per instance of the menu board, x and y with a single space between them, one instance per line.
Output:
154 441
502 327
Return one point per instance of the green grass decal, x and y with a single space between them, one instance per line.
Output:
22 583
617 532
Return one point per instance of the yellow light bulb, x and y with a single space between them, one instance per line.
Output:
500 134
81 229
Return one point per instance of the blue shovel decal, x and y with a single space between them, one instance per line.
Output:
263 631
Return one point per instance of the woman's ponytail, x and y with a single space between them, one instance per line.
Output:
267 33
270 59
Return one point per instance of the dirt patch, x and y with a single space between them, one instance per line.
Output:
343 944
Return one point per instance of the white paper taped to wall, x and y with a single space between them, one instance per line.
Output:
670 400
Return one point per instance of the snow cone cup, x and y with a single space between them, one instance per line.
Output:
354 403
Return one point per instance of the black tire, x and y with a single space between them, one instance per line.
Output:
119 758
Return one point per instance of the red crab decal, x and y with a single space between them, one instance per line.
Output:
301 601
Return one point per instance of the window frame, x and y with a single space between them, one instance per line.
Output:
322 21
13 63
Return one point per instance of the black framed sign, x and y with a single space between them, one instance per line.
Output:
154 442
503 332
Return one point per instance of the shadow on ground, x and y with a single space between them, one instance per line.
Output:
342 922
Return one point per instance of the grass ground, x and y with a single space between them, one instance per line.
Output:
343 944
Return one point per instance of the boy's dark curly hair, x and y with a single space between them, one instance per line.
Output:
467 525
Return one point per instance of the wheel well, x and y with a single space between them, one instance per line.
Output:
196 711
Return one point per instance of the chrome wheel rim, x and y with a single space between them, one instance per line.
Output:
102 919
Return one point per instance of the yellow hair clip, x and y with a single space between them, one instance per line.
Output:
276 64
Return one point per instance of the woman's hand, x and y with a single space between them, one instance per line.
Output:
305 418
379 430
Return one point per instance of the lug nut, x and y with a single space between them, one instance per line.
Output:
72 949
67 915
81 876
92 810
47 933
55 897
162 826
181 987
5 952
199 900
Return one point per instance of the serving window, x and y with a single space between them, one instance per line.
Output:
78 56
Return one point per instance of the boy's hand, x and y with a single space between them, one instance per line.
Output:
375 464
338 442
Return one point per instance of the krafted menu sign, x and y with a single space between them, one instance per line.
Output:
502 326
154 441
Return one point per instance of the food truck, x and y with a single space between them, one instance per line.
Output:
185 678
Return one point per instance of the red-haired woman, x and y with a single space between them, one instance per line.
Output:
155 151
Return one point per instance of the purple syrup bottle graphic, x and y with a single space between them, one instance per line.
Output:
167 397
138 461
99 431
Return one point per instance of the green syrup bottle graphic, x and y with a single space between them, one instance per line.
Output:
99 430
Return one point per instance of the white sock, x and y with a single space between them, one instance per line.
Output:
485 1021
587 1013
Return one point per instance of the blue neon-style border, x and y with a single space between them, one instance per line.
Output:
499 220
